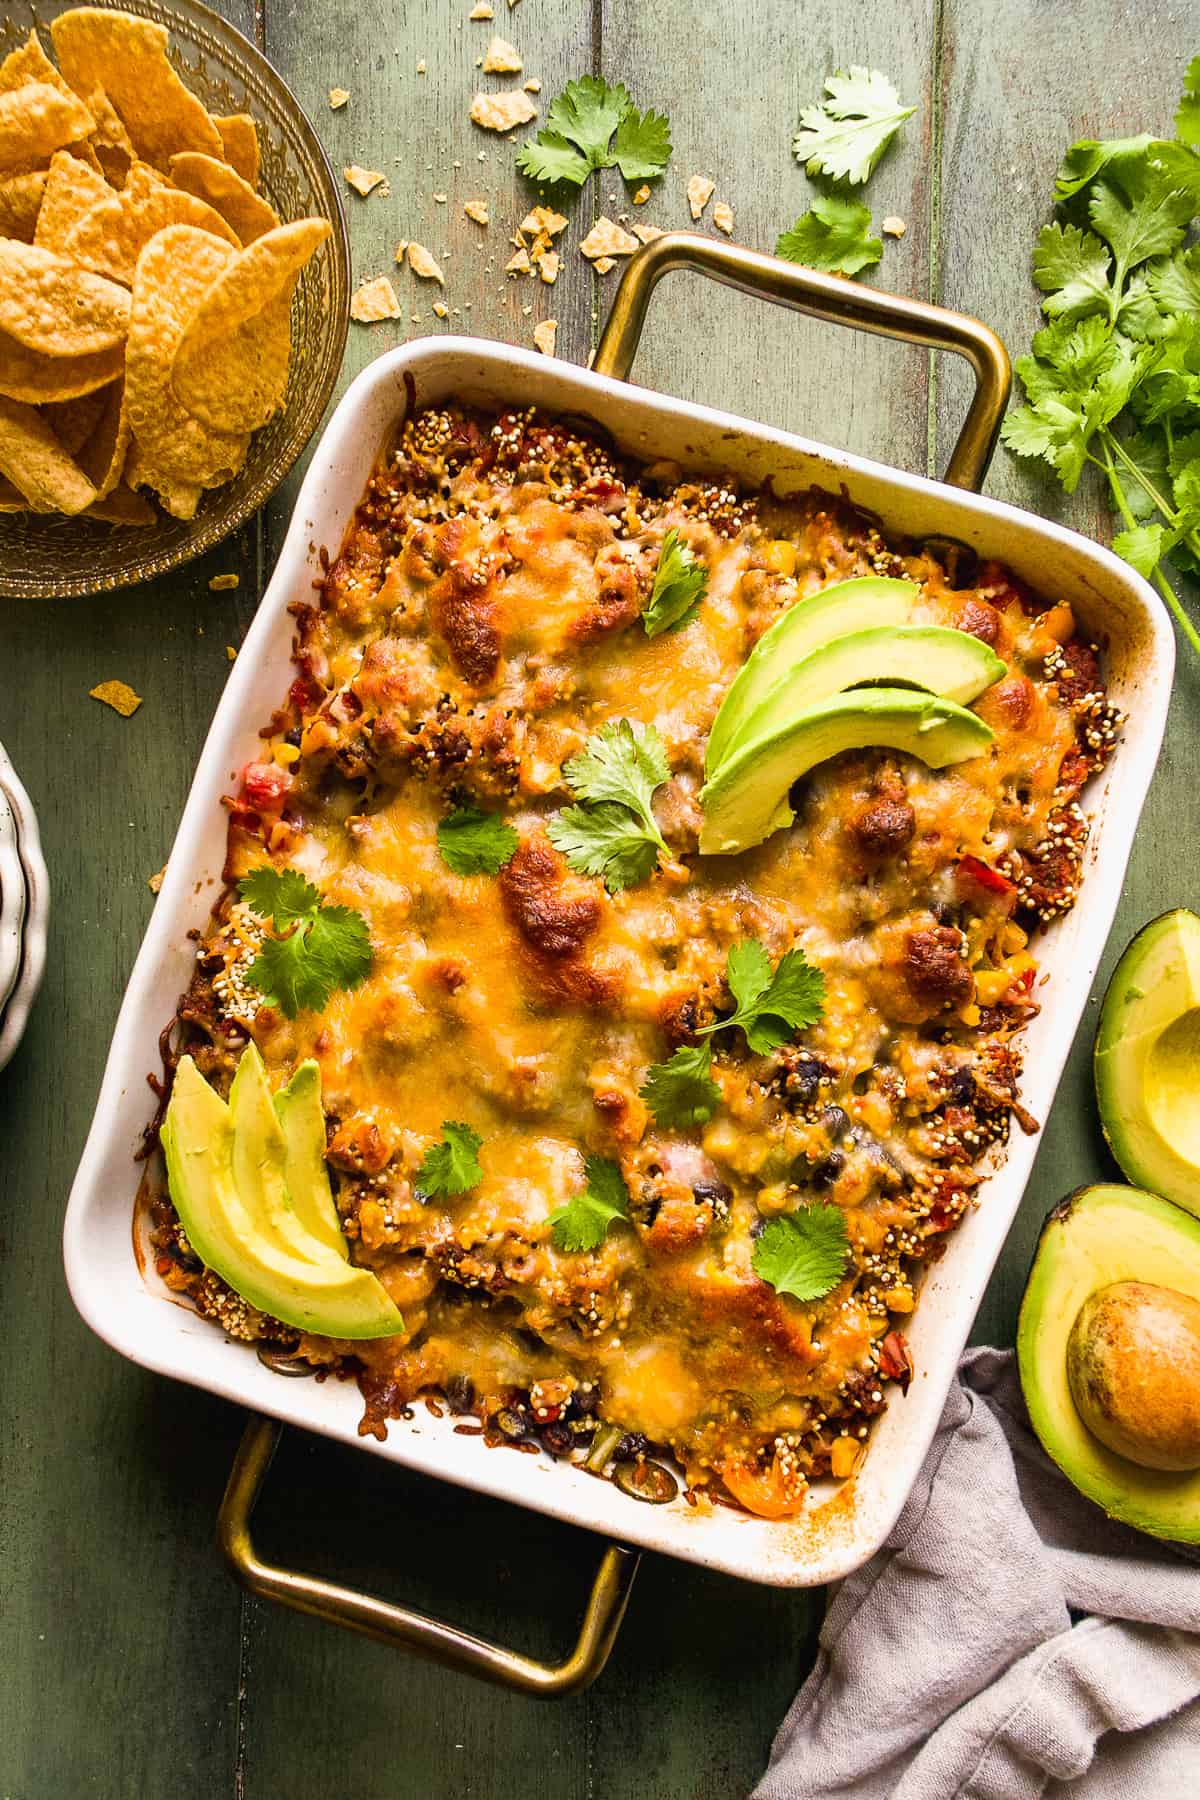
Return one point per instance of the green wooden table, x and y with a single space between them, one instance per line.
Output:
130 1666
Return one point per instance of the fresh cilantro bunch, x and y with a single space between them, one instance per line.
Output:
680 584
845 134
582 1224
472 842
769 1006
1113 381
834 235
593 126
612 832
451 1166
803 1253
319 948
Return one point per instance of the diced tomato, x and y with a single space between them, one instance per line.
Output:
981 874
265 785
765 1492
999 585
895 1360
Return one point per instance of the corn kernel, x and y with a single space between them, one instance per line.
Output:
780 557
843 1458
770 1200
969 1014
1018 965
899 1299
1013 938
285 755
991 985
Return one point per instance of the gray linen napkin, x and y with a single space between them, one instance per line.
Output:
1008 1641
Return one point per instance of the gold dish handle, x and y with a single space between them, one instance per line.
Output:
822 297
396 1624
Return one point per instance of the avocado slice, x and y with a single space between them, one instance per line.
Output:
260 1159
748 798
1097 1237
302 1122
807 626
1147 1062
317 1291
951 664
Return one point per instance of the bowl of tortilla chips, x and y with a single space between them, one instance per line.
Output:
174 289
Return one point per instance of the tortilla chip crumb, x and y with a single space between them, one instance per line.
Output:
547 266
700 191
440 199
420 68
545 335
364 181
603 264
606 238
533 85
482 11
722 217
154 882
893 226
518 263
231 653
374 300
501 58
338 97
221 583
543 218
642 195
500 112
646 234
477 210
440 309
119 695
422 262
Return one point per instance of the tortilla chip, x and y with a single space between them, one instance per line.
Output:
110 238
27 375
74 421
36 463
12 500
30 63
122 507
35 121
373 301
231 367
239 135
71 189
127 57
223 188
102 455
110 140
20 203
500 112
49 305
117 694
175 451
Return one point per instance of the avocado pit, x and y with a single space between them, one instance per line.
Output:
1133 1365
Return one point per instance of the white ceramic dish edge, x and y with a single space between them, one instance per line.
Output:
843 1527
36 922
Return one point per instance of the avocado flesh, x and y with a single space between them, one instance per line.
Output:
1147 1062
808 625
952 664
1099 1236
260 1157
318 1292
302 1122
748 798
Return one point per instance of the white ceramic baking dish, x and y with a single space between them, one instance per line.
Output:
841 1527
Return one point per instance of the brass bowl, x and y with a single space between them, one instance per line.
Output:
44 556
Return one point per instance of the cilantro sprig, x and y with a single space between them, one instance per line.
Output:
612 832
844 135
769 1006
451 1166
680 584
319 948
833 235
582 1224
1113 381
803 1253
472 842
594 126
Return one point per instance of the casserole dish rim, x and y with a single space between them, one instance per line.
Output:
795 1556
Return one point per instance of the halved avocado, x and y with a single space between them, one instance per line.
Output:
1147 1061
809 625
1097 1238
952 664
302 1122
748 798
316 1291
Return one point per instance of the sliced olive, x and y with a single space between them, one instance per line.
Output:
646 1481
283 1362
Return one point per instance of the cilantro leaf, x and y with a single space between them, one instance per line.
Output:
604 840
1187 119
582 1224
578 136
682 1092
1072 266
845 134
768 1007
1087 158
1148 226
625 762
1175 281
833 235
1142 546
680 584
472 842
326 947
451 1166
803 1253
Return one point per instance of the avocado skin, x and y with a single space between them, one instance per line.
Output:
1147 1059
1094 1237
748 798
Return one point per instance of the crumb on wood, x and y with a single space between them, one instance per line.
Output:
338 97
894 226
366 181
119 695
502 58
373 301
722 217
606 238
219 584
545 336
700 191
500 112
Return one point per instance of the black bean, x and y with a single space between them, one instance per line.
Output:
835 1122
460 1394
558 1438
514 1422
585 1400
634 1443
827 1170
712 1193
